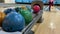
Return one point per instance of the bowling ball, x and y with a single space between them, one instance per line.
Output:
2 16
9 10
13 22
27 15
17 9
36 8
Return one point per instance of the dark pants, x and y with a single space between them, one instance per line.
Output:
50 4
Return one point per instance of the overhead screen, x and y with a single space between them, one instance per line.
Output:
44 1
24 1
55 1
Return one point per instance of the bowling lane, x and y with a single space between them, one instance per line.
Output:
50 24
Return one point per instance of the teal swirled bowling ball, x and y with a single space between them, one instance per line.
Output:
13 22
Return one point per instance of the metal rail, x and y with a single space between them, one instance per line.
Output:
28 28
11 5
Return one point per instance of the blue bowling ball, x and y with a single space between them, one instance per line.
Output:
13 22
9 10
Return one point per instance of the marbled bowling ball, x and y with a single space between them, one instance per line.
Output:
2 16
13 22
27 15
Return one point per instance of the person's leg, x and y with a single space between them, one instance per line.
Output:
49 5
52 3
49 8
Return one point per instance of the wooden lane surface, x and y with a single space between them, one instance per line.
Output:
50 24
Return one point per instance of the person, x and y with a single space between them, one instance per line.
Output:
50 4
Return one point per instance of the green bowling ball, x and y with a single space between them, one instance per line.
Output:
27 15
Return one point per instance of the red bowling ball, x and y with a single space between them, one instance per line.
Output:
36 8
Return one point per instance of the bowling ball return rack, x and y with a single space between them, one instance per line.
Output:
27 29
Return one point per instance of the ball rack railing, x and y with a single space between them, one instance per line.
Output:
11 4
29 26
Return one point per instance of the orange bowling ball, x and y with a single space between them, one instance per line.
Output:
2 15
